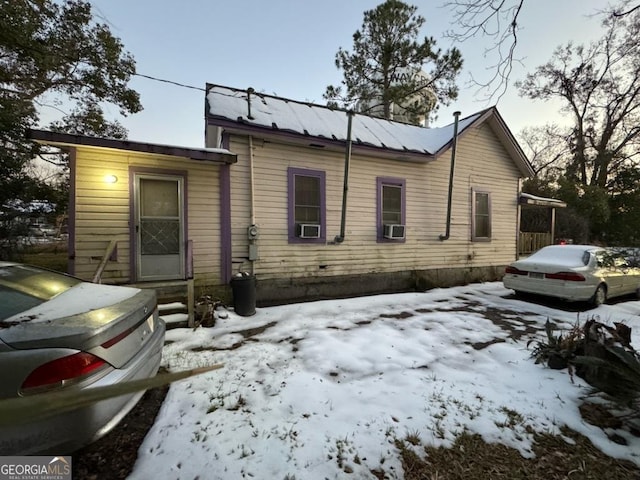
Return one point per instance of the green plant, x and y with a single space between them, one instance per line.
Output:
600 354
413 437
609 362
558 350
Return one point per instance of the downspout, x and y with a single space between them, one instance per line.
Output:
454 146
252 184
252 231
345 188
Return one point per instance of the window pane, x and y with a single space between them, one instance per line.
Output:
159 198
482 216
308 215
482 204
307 199
482 226
391 204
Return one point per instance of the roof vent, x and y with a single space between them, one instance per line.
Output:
249 92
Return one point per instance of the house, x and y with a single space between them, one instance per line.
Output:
313 202
325 203
141 213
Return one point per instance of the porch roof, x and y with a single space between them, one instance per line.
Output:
529 199
215 155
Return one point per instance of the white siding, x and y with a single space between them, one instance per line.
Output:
102 211
481 163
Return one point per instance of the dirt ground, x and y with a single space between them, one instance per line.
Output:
113 456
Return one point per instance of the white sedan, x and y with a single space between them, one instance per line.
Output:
576 273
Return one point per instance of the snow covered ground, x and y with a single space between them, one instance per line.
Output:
314 390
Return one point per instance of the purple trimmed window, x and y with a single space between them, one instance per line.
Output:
480 216
306 205
390 209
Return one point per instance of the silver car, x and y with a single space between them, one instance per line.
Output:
60 333
576 273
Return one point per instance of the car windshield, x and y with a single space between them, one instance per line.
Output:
23 287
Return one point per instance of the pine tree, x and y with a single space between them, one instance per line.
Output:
384 75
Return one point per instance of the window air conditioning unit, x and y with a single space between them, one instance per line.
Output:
394 232
306 230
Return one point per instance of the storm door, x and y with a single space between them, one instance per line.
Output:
159 227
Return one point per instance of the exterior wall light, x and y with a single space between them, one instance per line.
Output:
110 179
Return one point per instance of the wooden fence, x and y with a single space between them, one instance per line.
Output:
532 241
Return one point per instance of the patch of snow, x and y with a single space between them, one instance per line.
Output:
571 256
175 318
80 298
163 307
308 389
544 199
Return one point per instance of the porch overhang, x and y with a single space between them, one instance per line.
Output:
533 200
57 139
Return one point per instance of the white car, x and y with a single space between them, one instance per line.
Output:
576 273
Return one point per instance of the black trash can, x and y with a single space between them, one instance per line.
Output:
244 294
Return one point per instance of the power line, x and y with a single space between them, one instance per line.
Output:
169 81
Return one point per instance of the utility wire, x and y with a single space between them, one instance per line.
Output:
169 81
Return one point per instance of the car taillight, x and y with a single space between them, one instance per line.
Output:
62 371
567 276
515 271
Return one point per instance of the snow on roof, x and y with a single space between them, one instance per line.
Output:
536 200
281 114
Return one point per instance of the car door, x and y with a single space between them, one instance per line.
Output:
632 271
609 268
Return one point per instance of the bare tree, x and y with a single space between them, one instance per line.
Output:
548 148
497 22
599 86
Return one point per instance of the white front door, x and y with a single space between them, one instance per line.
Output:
159 227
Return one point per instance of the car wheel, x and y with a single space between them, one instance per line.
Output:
600 296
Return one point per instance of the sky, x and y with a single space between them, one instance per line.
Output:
317 389
288 47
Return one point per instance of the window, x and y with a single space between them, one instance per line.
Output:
306 212
390 209
480 216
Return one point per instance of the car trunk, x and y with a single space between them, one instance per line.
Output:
111 324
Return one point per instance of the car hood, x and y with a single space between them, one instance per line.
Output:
82 317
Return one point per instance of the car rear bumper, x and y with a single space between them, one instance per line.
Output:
64 433
572 291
